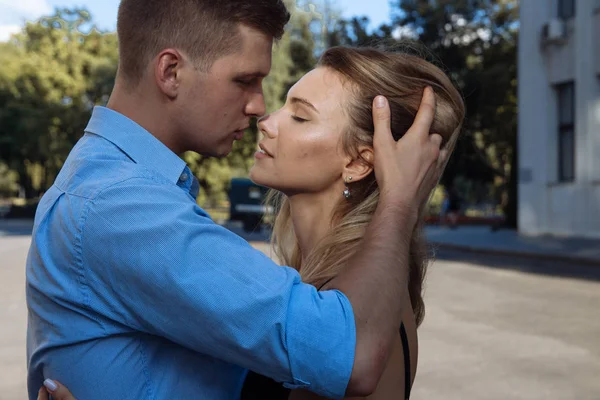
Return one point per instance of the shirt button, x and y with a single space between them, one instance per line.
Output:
184 177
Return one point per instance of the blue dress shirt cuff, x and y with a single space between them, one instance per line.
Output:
331 347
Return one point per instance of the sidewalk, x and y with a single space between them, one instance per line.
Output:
508 242
478 239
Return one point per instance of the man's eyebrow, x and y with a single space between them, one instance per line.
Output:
307 103
256 74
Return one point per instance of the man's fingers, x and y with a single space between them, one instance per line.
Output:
436 139
442 158
381 121
434 173
426 112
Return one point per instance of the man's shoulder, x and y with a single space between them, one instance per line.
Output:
94 166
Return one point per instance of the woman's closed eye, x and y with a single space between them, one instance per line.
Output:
298 119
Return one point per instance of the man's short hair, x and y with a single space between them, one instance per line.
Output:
203 29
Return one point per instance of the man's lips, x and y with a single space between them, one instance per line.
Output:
239 134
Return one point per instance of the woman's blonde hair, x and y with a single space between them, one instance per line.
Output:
366 73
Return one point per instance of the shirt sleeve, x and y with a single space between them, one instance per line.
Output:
154 261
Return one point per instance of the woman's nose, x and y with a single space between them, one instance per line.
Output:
267 126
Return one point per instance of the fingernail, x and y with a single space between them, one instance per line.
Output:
50 385
379 101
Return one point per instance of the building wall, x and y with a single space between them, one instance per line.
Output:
546 205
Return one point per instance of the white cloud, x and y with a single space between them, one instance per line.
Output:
14 13
7 30
25 8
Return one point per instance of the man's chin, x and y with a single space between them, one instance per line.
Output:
213 155
222 152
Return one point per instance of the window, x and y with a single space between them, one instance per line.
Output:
566 132
566 9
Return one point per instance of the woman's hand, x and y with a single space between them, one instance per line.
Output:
56 389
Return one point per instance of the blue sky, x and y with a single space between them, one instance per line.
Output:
14 12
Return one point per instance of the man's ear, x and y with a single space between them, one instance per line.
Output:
359 167
167 72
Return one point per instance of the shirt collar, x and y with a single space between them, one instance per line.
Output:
139 144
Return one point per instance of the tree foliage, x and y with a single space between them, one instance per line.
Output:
53 73
474 42
56 69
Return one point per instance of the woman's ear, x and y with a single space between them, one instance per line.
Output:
359 167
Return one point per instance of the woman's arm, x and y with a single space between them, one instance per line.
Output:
56 389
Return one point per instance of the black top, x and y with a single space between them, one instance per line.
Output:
406 352
259 387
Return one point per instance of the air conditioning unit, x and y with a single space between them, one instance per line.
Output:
554 31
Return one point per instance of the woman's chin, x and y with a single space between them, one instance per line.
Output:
257 177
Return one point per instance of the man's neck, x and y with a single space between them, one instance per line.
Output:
312 216
140 106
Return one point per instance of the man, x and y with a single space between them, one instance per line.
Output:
133 292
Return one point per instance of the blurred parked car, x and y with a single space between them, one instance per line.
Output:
247 203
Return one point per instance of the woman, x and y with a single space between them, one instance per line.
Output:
317 157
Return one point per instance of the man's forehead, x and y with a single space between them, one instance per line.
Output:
255 52
244 65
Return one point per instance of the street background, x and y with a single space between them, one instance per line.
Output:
497 326
513 296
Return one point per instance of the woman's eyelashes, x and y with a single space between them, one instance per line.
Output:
298 119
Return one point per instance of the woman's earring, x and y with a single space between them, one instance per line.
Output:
346 192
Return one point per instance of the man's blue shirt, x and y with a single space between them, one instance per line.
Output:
135 293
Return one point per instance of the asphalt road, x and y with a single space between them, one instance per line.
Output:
496 328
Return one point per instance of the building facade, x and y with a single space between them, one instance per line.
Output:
559 117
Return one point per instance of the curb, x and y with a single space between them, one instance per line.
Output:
520 254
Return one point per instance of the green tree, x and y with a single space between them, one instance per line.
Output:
53 73
58 68
8 181
475 40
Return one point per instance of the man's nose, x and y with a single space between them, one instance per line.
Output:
256 106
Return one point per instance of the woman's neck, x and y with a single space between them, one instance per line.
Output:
312 216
